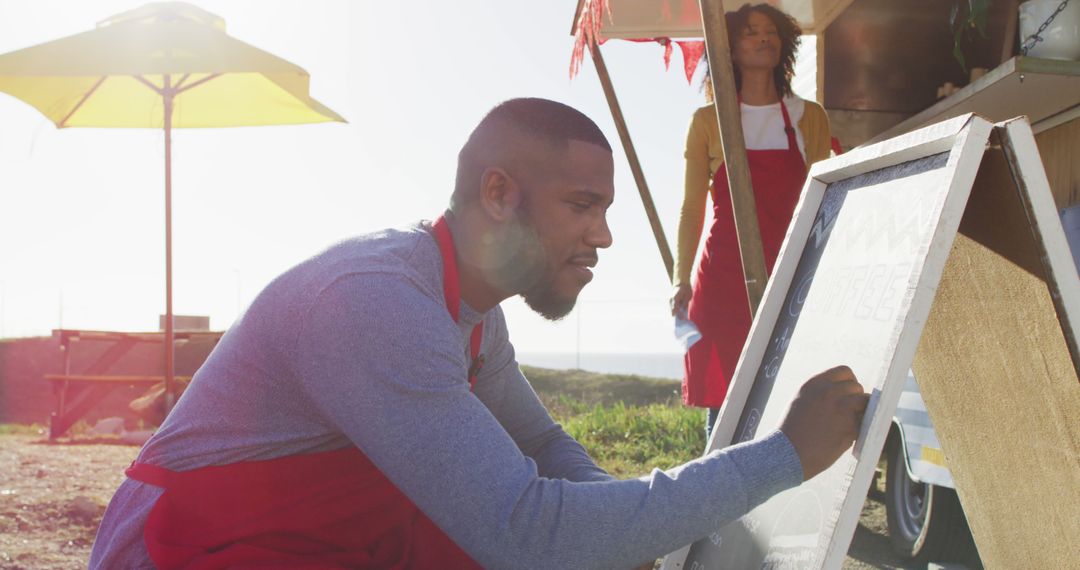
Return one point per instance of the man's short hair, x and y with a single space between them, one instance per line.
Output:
534 119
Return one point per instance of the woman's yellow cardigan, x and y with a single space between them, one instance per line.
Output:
704 156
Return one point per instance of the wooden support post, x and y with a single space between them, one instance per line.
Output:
632 158
731 139
1009 43
820 74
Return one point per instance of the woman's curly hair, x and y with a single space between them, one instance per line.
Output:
790 38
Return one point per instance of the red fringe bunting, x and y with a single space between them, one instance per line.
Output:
692 52
589 26
588 31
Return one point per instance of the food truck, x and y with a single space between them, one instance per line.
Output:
999 59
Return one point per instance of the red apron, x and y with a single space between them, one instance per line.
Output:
719 306
324 510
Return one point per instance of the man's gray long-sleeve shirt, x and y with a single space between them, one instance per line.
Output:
356 347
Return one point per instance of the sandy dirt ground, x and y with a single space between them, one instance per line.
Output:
52 497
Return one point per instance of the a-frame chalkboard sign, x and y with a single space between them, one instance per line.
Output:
854 284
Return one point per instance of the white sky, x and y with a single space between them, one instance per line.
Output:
81 210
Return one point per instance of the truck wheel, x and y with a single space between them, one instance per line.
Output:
926 522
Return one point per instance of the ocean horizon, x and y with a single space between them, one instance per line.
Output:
665 365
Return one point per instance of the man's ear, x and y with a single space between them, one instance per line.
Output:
499 194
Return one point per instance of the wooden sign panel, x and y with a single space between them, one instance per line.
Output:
853 285
997 364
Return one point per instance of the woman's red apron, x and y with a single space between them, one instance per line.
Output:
719 304
327 510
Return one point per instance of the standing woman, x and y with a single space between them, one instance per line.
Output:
783 134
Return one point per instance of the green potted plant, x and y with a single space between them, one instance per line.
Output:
965 18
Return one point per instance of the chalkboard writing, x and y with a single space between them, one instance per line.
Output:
846 303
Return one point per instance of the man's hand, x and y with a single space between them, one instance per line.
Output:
680 299
824 418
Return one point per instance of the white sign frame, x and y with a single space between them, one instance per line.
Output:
965 138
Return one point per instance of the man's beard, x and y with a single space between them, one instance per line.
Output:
543 299
525 270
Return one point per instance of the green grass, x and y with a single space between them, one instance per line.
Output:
629 424
628 441
21 429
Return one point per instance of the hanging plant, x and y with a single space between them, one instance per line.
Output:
966 18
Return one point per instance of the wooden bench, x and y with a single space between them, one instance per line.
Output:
78 393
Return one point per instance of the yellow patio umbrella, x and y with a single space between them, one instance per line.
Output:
164 65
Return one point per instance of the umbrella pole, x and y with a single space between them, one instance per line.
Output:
170 369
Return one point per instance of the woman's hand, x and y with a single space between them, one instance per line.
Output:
680 299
